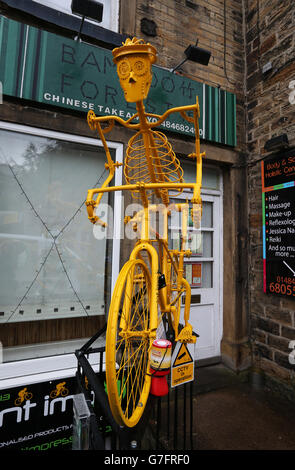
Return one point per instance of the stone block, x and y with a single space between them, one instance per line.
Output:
266 325
277 342
283 360
268 44
262 350
278 315
273 369
288 332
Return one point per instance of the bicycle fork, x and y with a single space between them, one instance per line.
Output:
153 255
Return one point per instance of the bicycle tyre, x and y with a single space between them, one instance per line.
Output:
128 342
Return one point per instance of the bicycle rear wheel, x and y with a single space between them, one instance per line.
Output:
128 344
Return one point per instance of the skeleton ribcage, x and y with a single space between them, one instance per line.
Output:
150 159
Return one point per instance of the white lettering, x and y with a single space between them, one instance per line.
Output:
27 407
292 353
103 228
116 460
46 405
55 98
292 93
18 410
63 401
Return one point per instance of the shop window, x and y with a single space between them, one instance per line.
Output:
52 266
210 176
110 18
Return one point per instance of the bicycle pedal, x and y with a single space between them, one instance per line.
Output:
186 335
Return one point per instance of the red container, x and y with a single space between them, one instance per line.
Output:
160 363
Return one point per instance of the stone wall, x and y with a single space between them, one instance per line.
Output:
171 25
270 38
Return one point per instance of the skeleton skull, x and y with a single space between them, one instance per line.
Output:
134 67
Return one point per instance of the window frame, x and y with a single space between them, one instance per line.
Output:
67 345
66 22
111 23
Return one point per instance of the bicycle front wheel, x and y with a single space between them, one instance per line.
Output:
128 344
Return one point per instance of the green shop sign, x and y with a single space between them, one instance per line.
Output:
43 67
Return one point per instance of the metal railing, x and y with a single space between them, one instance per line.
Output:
175 418
167 422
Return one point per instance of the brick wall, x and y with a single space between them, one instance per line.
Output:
270 37
178 23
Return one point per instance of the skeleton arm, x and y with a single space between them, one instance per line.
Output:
90 203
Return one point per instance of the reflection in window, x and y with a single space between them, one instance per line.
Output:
199 274
210 176
51 264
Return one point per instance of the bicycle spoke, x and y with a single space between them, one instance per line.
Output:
130 357
135 383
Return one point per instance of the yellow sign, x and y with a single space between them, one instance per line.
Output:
182 370
182 374
183 356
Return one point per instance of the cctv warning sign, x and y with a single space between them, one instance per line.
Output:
182 370
183 356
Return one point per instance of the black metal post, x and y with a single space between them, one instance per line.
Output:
184 416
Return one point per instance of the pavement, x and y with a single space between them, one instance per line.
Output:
234 414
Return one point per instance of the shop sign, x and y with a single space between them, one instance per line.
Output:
38 416
182 364
42 67
278 213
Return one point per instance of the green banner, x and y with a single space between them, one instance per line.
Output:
46 68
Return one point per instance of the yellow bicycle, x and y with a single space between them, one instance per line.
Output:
150 285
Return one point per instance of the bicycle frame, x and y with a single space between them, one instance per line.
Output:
145 243
143 216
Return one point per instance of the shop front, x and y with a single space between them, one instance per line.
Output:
57 273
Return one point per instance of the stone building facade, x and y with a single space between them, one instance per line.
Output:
242 37
270 37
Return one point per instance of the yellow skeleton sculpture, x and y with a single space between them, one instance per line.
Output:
150 165
139 301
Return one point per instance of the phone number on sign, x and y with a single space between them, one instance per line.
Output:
180 127
284 286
